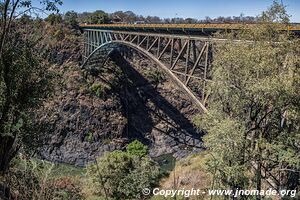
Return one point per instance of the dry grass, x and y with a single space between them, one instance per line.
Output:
189 173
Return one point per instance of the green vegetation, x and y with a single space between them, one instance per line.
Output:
61 170
166 162
54 19
23 81
117 175
122 175
71 18
136 148
155 76
99 17
36 179
253 122
98 89
57 170
252 127
90 136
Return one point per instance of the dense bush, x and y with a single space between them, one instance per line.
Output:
253 123
24 82
136 148
23 77
122 175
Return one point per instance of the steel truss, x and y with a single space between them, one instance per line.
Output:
184 59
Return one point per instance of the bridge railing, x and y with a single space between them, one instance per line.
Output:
233 26
185 58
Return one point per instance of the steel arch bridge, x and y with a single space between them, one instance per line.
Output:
182 51
185 59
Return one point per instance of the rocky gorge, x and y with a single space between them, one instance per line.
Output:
127 99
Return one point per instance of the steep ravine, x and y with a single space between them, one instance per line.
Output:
134 101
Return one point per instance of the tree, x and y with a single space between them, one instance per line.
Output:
123 175
21 77
98 17
130 17
253 129
207 19
70 18
153 19
191 21
54 19
277 13
25 19
126 17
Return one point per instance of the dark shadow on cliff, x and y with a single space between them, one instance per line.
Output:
135 93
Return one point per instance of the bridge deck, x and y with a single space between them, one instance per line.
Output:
183 28
184 57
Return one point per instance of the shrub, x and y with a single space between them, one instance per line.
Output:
136 148
97 89
122 175
155 76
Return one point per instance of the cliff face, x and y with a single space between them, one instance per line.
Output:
128 99
81 124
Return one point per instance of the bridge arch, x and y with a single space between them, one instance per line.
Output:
153 58
180 58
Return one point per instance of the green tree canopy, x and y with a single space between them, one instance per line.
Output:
98 17
123 175
54 19
253 125
71 18
22 76
136 148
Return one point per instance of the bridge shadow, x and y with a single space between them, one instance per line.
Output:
140 115
135 93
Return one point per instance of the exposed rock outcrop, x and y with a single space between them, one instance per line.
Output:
91 115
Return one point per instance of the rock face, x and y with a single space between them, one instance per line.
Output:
82 125
89 116
158 110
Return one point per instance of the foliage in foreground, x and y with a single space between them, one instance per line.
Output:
122 174
254 113
23 79
37 179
